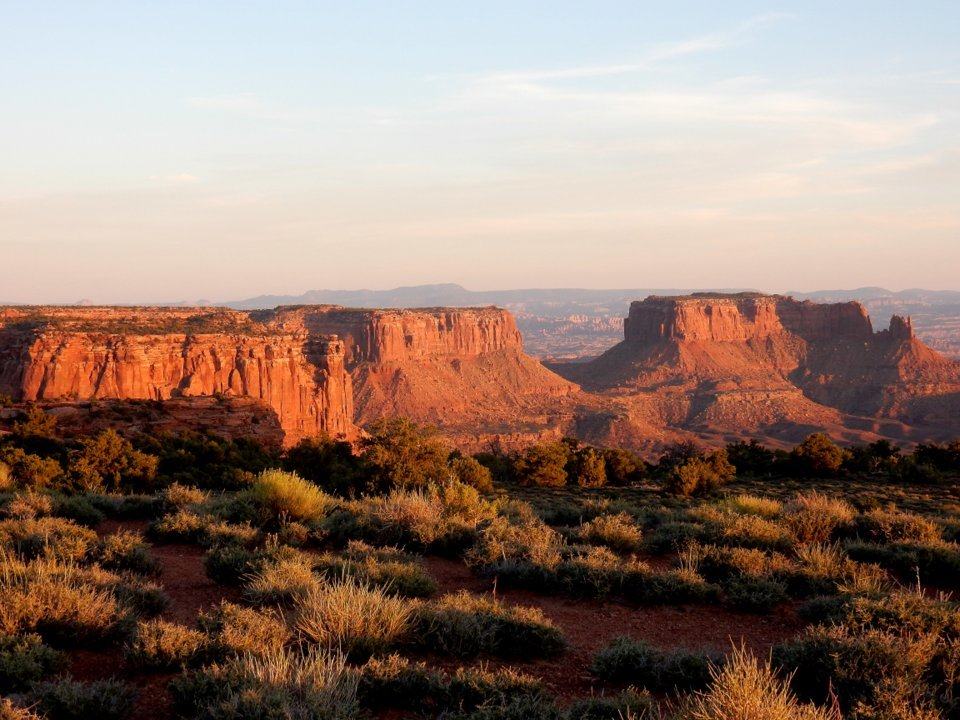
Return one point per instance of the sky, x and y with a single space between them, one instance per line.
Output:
164 151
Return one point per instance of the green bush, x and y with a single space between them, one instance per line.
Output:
627 660
628 705
467 625
818 456
754 594
700 474
683 585
469 471
109 461
24 659
67 699
401 454
543 465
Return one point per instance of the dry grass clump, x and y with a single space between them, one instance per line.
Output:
280 581
59 602
26 504
390 568
746 504
126 550
9 711
162 645
517 535
743 688
177 496
276 684
891 526
354 617
49 537
816 518
618 532
287 496
235 630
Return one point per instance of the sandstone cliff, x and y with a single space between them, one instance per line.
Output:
66 354
317 368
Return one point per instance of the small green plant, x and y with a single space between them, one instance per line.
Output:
25 659
637 662
66 699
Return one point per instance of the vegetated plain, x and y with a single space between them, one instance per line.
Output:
197 577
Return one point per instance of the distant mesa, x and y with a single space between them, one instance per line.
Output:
707 366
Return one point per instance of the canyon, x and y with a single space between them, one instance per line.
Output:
709 367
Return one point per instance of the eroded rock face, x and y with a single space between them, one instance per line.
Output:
55 355
320 369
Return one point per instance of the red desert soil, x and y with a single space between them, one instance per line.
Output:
588 625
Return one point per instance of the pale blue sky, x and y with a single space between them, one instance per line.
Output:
172 150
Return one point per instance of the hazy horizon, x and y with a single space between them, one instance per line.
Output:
176 151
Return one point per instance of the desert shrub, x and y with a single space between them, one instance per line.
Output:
79 508
754 594
396 682
522 707
285 495
718 564
7 481
29 470
234 630
744 504
330 464
162 645
628 705
126 551
935 563
49 537
889 526
58 602
544 465
354 617
180 526
746 689
28 505
618 532
279 580
109 461
699 474
469 471
748 531
66 699
207 460
516 534
751 458
872 668
816 518
389 568
587 467
10 711
672 536
818 456
25 659
176 496
623 467
589 572
466 625
441 518
402 454
822 569
655 587
626 660
277 684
